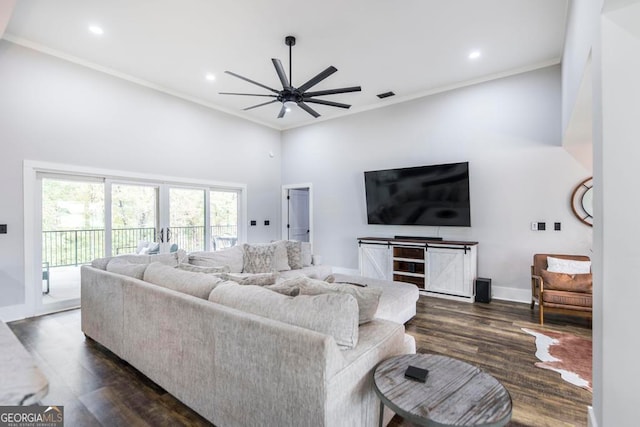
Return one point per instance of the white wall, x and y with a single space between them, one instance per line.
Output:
582 23
616 234
55 111
509 131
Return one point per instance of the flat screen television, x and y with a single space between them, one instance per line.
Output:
436 195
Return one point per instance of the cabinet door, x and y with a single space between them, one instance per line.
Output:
445 272
375 261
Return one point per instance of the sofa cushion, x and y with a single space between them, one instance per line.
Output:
101 263
331 314
232 257
207 270
196 284
368 299
122 266
567 282
568 266
259 279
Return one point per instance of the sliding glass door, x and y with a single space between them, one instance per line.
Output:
134 218
223 218
73 233
186 219
82 217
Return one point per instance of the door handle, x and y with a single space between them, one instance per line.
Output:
162 235
168 234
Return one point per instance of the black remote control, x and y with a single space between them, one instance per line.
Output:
416 374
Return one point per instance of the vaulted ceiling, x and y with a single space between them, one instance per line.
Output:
410 47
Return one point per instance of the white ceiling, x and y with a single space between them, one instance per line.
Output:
411 47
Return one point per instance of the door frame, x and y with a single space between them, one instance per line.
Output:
285 208
31 202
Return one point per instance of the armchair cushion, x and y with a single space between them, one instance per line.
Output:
563 299
567 282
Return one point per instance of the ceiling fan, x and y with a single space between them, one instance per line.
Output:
291 94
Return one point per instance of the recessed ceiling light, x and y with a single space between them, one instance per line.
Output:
474 54
96 30
210 76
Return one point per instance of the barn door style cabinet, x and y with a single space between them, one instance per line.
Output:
443 268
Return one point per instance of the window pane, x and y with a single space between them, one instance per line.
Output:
224 218
186 218
133 218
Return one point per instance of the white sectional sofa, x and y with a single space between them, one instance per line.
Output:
243 355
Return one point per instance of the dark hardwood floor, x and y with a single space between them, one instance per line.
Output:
97 388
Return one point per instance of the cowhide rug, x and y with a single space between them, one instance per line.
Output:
566 354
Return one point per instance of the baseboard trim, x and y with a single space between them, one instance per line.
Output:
13 312
511 294
591 419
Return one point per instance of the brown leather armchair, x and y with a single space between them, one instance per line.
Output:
568 294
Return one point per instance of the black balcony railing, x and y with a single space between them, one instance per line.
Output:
76 247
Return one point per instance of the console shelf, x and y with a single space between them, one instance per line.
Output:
443 268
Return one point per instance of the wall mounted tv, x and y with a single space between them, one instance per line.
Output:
436 195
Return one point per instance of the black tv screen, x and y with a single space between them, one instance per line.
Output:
436 195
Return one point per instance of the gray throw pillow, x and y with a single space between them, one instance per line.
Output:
206 270
367 298
294 254
331 314
306 254
258 258
258 279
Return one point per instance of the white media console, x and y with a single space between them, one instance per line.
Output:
442 268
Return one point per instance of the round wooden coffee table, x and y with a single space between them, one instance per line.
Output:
455 393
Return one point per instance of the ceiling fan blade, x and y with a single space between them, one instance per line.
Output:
246 94
260 105
308 109
330 103
251 81
283 111
317 79
281 74
332 91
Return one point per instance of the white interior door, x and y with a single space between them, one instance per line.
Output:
298 213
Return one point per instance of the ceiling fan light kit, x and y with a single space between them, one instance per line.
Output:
290 94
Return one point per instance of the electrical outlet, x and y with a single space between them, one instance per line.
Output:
253 222
266 222
542 226
557 226
534 226
3 228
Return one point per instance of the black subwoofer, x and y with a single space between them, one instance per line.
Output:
483 290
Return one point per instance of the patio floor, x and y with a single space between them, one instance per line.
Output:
64 283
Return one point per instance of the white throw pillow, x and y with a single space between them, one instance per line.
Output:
568 266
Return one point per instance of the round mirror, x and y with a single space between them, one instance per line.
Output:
582 201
